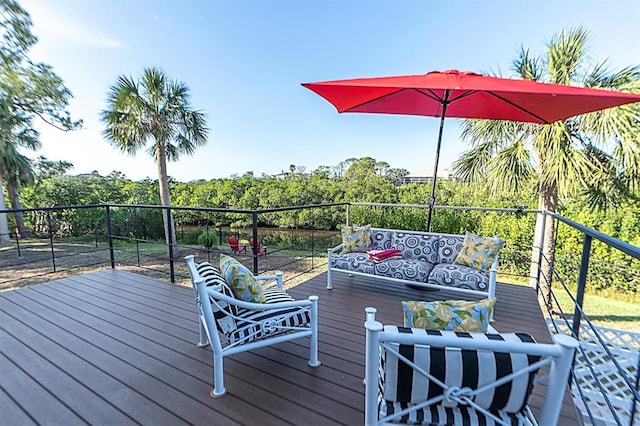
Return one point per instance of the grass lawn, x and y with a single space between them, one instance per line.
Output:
612 311
606 311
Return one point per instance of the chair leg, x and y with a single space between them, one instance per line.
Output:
313 347
204 340
218 377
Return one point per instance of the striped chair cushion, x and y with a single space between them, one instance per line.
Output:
439 415
402 387
225 323
255 325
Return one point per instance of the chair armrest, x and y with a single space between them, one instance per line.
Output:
335 249
275 277
258 306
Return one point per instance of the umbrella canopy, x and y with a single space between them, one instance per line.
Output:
459 94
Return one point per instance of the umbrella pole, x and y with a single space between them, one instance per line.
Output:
432 198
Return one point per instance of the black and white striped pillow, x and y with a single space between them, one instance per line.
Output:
221 310
459 368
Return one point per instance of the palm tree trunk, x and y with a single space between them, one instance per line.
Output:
5 237
14 199
543 253
165 199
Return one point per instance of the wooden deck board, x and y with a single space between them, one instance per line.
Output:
112 347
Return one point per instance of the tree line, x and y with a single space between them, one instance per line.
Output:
591 161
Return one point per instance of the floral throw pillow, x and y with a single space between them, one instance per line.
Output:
478 252
356 239
452 315
241 280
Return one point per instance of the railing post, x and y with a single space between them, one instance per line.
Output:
171 242
313 243
254 247
110 238
53 254
18 245
634 404
582 283
540 250
347 219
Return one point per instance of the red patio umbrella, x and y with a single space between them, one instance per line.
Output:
465 94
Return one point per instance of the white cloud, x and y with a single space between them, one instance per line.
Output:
49 26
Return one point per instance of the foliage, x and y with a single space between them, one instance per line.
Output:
28 90
594 156
208 238
247 193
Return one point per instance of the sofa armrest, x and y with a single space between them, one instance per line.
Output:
335 249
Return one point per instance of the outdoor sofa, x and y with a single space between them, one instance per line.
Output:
428 259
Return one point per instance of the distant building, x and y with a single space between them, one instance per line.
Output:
282 175
426 176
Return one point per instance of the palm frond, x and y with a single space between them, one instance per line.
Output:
566 53
527 66
471 166
511 169
561 162
153 109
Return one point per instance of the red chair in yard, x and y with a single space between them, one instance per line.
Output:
258 248
235 246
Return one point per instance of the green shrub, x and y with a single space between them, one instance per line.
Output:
208 238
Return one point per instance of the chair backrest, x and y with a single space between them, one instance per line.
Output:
233 241
258 246
222 312
483 373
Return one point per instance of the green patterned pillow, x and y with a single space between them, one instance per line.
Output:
478 252
453 315
356 238
241 280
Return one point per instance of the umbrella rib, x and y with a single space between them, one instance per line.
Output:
542 120
430 94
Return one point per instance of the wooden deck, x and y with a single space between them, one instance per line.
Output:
112 347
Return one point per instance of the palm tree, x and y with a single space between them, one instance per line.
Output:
154 111
15 131
595 156
20 172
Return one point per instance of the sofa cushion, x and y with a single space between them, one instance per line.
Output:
459 276
448 247
356 262
275 295
423 248
404 269
401 385
478 252
254 325
381 239
454 315
241 280
356 239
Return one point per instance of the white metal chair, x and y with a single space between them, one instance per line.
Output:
416 376
246 326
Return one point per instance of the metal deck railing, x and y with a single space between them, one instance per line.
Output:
68 239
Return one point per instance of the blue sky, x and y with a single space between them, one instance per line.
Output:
244 61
